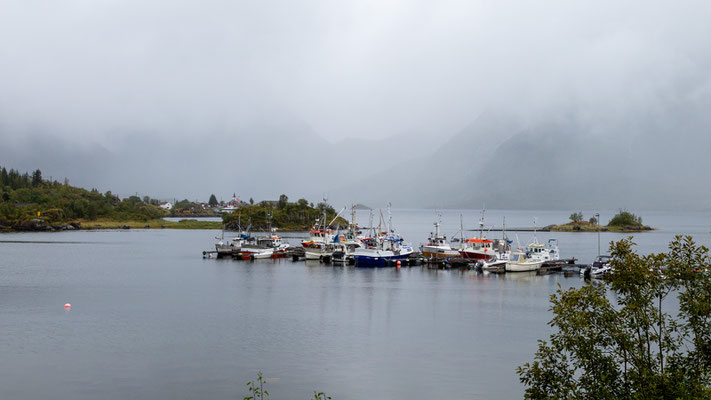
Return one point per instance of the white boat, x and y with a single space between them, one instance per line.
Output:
257 253
599 268
437 246
273 241
543 252
493 265
519 262
231 246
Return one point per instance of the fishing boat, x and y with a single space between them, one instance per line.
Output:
383 248
437 246
233 245
256 253
229 247
543 252
317 251
277 244
485 249
321 238
390 249
520 261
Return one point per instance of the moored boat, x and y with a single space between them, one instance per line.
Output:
382 250
520 261
437 246
543 252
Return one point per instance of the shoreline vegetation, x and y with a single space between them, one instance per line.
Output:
30 203
624 222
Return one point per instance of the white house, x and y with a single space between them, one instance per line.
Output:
166 205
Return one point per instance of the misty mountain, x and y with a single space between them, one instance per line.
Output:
658 161
255 158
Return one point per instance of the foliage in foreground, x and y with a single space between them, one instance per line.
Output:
630 348
257 391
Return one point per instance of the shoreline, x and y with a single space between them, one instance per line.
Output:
37 225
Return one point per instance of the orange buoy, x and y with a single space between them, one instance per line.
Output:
67 306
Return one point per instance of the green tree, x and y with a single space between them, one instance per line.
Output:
576 217
4 181
251 200
184 204
630 348
213 200
283 201
37 178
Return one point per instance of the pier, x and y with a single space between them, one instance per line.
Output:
568 266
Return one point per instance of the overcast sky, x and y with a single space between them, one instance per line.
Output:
84 83
91 68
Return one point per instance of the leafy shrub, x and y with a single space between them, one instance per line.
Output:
625 218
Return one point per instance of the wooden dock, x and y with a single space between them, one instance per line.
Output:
567 266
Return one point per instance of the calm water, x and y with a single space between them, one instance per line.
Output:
151 319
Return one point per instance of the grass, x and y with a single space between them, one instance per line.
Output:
589 227
150 224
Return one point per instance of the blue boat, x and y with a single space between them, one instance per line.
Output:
384 254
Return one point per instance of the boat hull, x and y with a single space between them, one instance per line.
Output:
378 261
524 266
437 252
476 255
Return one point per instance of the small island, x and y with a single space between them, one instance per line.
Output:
623 221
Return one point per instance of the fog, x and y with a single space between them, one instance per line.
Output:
559 105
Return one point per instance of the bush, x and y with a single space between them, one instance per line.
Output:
625 218
624 346
576 217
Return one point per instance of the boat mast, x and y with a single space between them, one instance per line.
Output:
503 230
437 225
370 223
461 230
390 219
325 228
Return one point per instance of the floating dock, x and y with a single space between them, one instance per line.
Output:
567 266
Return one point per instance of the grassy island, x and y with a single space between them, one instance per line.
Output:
623 221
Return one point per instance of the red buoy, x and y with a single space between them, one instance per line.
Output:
67 306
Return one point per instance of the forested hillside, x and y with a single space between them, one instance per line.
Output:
27 200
